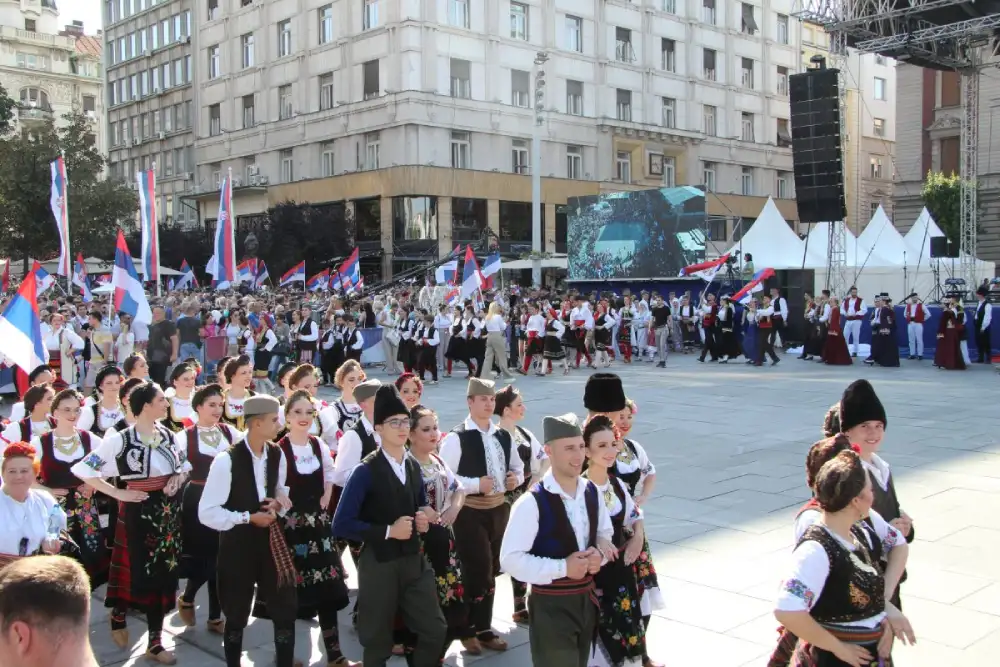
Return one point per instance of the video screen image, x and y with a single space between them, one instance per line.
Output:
635 235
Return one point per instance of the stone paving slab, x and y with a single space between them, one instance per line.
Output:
729 444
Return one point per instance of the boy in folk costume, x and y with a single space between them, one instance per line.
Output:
559 552
916 314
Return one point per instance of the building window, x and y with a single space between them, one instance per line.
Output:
748 25
668 50
515 222
711 123
468 219
461 150
29 25
746 69
709 64
878 126
574 33
518 21
248 111
372 87
708 11
285 38
574 162
746 126
708 176
624 106
880 89
623 166
782 80
326 92
875 165
669 112
247 47
326 163
414 218
461 79
746 181
325 14
784 178
670 6
250 168
214 62
458 13
623 45
287 166
371 14
285 102
574 97
782 29
213 10
669 171
372 150
519 156
520 88
784 134
873 209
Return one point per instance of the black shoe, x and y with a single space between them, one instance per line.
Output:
701 359
775 362
662 364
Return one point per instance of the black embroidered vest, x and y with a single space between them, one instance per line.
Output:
473 461
135 457
243 493
368 444
303 490
200 463
555 537
55 473
855 588
386 500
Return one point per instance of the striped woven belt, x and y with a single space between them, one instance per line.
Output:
148 485
856 634
567 586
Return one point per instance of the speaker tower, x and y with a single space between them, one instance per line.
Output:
816 149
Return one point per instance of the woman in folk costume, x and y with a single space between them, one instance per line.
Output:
625 315
265 342
128 419
729 346
835 352
104 410
948 353
458 345
30 519
38 377
136 366
553 348
566 319
306 378
56 452
281 379
833 597
37 405
239 376
963 335
510 408
407 354
145 560
64 346
621 632
603 323
886 351
410 389
180 412
320 577
202 443
750 333
345 411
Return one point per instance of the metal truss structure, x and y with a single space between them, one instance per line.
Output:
905 30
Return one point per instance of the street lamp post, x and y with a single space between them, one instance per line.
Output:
536 170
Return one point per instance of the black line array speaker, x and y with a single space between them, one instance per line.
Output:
816 150
942 247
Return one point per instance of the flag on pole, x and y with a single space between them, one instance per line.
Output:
247 270
705 270
471 278
454 296
262 275
336 282
42 277
357 287
60 210
6 276
147 220
490 268
321 281
222 266
80 278
187 279
21 329
130 297
350 270
295 274
446 273
755 285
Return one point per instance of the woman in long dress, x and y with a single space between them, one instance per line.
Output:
345 411
750 332
30 519
553 348
948 353
458 349
835 352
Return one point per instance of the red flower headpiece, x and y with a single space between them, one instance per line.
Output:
856 448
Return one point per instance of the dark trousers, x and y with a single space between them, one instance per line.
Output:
710 346
405 585
158 372
765 344
427 361
562 629
983 350
242 568
478 535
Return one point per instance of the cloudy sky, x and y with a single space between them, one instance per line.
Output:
88 11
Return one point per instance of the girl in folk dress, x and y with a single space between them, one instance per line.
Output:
36 422
180 413
553 348
239 375
306 378
56 452
202 443
410 389
621 631
458 345
346 411
101 413
603 324
135 366
835 350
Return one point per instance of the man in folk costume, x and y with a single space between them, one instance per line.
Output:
726 336
64 346
384 505
916 314
582 324
853 310
558 535
354 344
780 318
481 455
709 313
983 319
244 493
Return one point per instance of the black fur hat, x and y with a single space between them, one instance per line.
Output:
604 393
388 403
860 404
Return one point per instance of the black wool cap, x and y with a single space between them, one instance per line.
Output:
860 404
604 393
388 403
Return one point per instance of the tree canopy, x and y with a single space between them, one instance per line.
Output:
942 195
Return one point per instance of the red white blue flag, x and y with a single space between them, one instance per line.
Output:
350 271
472 280
262 275
187 279
21 329
80 278
60 211
222 266
147 221
42 277
705 270
756 284
295 274
130 297
321 281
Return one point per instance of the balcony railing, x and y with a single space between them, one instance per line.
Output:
53 41
37 113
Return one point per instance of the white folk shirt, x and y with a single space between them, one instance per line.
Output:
987 316
102 462
582 313
220 480
349 451
522 529
306 462
73 456
536 323
451 453
827 309
30 519
105 418
52 338
780 307
913 308
849 309
181 439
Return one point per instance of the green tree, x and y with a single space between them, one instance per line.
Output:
942 195
295 232
97 207
6 113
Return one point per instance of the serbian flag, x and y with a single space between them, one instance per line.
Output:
171 285
472 280
350 270
247 270
295 274
43 278
222 266
490 268
705 270
358 286
446 273
454 296
80 278
130 297
6 276
321 281
21 329
756 284
60 211
188 279
147 220
336 282
262 275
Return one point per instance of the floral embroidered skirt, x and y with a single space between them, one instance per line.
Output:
84 527
621 634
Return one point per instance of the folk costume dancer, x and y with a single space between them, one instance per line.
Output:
180 413
835 352
30 518
101 413
239 375
824 311
244 494
582 322
961 320
888 348
354 343
688 324
200 543
874 325
443 324
535 329
765 332
384 506
623 332
510 409
810 319
428 341
458 348
331 344
948 354
728 347
853 311
709 315
557 538
56 452
603 323
983 319
64 346
486 465
780 319
553 349
916 314
38 377
145 560
750 332
36 422
305 377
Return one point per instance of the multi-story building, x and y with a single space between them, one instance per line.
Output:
870 124
412 111
929 138
151 98
50 70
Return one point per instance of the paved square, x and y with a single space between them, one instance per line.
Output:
729 444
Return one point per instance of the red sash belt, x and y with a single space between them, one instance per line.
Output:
567 586
149 485
851 318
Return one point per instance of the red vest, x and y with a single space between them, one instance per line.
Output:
857 308
915 315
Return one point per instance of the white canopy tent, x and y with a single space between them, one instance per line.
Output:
918 239
818 242
771 241
881 244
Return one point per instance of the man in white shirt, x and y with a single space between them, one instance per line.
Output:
442 322
360 440
853 310
983 319
64 346
582 322
535 331
916 314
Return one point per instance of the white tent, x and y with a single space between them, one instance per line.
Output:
880 244
918 239
771 241
818 242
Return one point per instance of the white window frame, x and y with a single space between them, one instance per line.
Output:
881 89
708 176
327 163
287 158
708 12
370 14
574 33
782 81
574 102
325 18
746 126
520 157
214 62
623 166
247 48
285 38
710 120
669 171
458 13
781 191
285 104
875 167
746 74
373 150
574 162
746 181
782 30
878 127
670 6
624 109
519 21
326 92
249 114
668 57
461 150
669 112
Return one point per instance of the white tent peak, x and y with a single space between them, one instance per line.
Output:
881 243
920 234
771 241
819 245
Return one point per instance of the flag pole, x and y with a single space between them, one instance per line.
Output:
65 211
155 229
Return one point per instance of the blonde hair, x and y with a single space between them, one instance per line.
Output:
495 309
348 366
